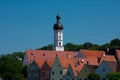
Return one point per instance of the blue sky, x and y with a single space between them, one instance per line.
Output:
28 24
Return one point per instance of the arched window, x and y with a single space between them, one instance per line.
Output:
59 43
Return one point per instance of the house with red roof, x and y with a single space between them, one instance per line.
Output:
40 69
74 69
46 69
33 71
60 67
106 67
30 55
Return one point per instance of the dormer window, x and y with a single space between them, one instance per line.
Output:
43 54
43 73
31 53
78 62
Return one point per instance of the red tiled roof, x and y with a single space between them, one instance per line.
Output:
76 68
65 62
91 60
108 58
39 62
45 54
92 53
50 62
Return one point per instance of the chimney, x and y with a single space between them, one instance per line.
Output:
31 61
103 55
82 60
68 55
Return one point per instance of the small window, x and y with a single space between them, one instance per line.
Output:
104 78
78 62
52 72
59 43
61 72
59 37
68 73
58 65
85 70
43 73
103 69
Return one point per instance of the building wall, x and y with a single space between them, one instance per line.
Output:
57 71
69 74
25 60
45 72
33 72
83 74
103 69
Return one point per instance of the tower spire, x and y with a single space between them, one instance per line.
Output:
58 35
58 18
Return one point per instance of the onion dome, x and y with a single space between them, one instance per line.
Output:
58 25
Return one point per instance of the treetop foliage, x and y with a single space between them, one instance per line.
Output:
94 76
11 67
113 44
113 76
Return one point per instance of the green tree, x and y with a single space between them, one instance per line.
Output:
48 47
94 76
104 46
115 43
18 54
11 68
113 76
72 47
87 45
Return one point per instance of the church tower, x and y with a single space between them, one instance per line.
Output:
58 35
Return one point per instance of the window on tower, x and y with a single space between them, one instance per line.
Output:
59 37
60 33
59 43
